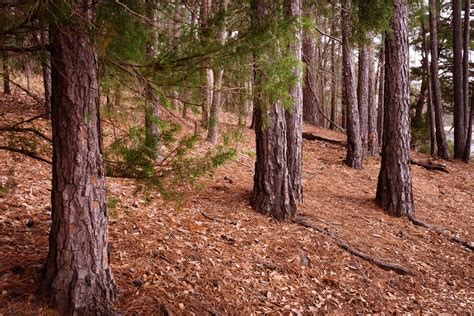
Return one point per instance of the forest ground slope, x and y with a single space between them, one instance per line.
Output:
216 255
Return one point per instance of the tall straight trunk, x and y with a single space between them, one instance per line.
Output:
420 101
459 105
465 67
217 93
152 111
372 137
333 85
273 193
6 73
427 74
206 7
443 151
77 276
467 148
363 96
310 102
354 157
46 67
294 116
394 187
381 88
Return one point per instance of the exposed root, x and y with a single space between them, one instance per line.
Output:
344 245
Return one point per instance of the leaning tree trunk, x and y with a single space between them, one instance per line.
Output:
46 65
152 109
459 105
294 116
310 103
354 157
272 191
381 88
394 187
217 93
436 87
78 276
363 96
372 137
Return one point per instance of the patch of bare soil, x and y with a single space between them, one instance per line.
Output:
216 255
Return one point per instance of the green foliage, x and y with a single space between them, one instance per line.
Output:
112 203
370 16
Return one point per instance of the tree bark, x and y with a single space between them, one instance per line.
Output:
381 87
310 103
427 73
372 141
467 149
206 7
6 73
78 276
354 156
420 101
394 187
46 67
443 151
294 116
363 96
219 73
459 105
333 86
465 66
272 191
152 111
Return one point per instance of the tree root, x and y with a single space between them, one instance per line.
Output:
344 245
442 231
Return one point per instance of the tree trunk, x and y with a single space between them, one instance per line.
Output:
216 98
465 67
333 86
436 88
272 191
206 7
152 111
467 149
420 101
373 143
427 73
78 276
381 87
46 66
310 103
363 96
459 105
6 73
354 157
394 187
294 116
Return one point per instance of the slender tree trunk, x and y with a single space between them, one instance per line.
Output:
467 149
310 103
420 101
206 7
363 96
294 116
443 151
354 157
272 192
427 73
46 65
381 88
219 73
333 85
6 74
152 111
373 143
394 187
78 276
465 67
459 105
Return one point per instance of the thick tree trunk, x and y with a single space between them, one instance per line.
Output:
394 187
443 151
217 93
333 86
78 276
459 105
372 141
272 192
310 103
381 87
152 110
6 73
46 66
354 157
294 116
363 96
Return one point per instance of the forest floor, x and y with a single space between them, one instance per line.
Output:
215 255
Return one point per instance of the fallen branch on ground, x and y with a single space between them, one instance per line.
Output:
430 165
442 231
26 153
310 136
344 245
